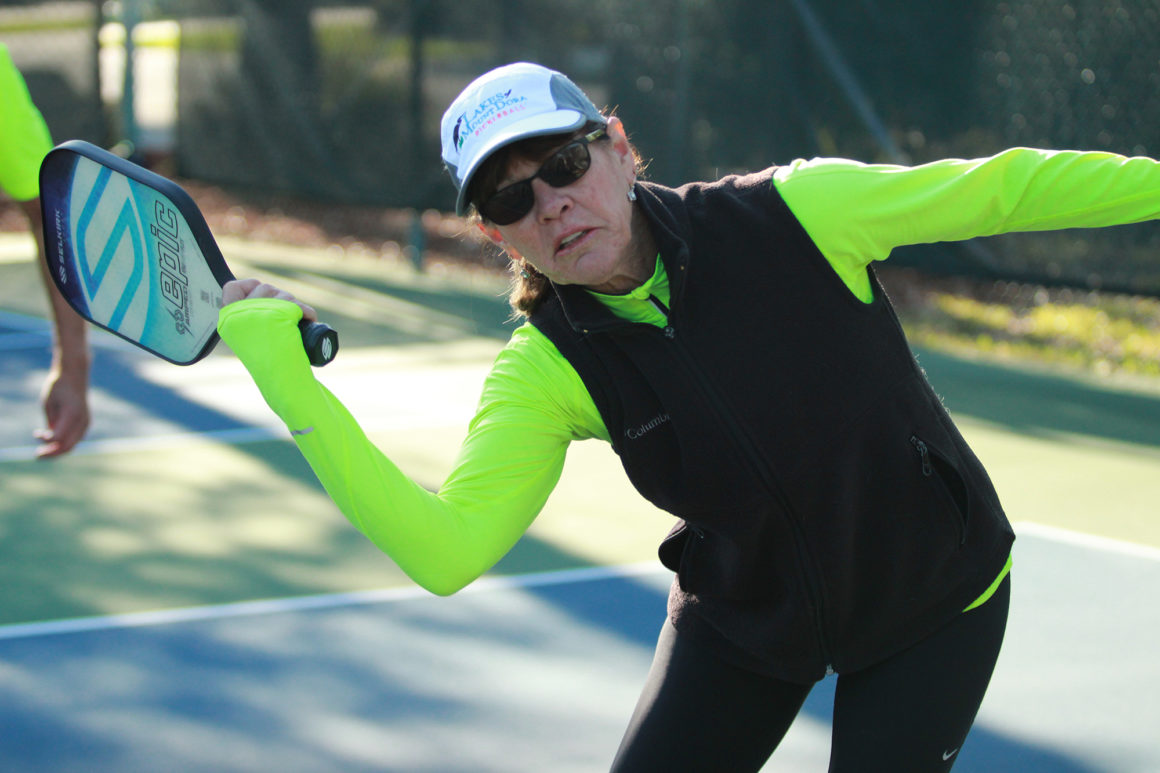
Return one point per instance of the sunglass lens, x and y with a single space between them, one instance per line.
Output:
509 204
567 165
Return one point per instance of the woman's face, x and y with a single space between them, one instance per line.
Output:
582 233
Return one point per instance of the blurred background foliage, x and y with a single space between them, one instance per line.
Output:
340 101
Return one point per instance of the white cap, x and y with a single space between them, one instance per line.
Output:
502 106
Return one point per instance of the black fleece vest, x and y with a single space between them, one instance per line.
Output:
831 513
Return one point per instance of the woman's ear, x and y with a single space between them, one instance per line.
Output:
495 237
615 130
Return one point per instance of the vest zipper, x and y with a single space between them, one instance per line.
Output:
924 455
658 304
749 452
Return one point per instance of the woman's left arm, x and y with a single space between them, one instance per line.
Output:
857 213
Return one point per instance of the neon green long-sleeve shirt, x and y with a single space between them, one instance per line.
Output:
534 403
24 136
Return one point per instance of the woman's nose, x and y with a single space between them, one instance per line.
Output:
550 202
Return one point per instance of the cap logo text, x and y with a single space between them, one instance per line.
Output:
489 111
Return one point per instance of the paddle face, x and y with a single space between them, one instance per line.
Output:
130 252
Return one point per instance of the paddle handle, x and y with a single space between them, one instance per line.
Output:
320 341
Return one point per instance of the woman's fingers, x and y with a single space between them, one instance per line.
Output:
238 290
244 289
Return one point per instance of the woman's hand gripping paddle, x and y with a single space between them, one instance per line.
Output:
131 252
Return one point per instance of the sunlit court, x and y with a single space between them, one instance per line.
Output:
191 596
181 591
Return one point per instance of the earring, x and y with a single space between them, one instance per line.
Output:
632 194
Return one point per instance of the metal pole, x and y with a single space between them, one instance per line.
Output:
679 126
130 16
847 80
971 251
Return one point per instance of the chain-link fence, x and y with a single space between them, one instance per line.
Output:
341 100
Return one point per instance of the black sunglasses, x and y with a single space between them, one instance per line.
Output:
564 167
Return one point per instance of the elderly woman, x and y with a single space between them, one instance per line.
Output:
731 341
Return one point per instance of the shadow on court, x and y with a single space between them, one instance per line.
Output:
1041 404
117 532
467 312
624 612
480 315
988 749
537 679
519 679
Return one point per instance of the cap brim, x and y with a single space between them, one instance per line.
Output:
556 122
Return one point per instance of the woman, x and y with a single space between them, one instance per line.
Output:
731 342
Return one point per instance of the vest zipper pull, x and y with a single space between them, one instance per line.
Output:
924 453
660 306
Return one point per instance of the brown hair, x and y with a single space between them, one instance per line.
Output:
529 288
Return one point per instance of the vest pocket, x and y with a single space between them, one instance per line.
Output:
945 477
673 545
712 564
675 553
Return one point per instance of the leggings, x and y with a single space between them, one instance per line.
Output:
907 714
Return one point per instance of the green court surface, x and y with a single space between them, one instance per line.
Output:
187 494
187 491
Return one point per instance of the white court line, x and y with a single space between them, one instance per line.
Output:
17 248
320 601
1091 541
405 593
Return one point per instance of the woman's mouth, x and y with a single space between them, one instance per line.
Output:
570 240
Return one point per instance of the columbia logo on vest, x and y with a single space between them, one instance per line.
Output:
635 433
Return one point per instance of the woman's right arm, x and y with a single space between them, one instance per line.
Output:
505 470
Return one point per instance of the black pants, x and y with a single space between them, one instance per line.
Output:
908 714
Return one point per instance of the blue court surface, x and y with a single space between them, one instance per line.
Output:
530 673
176 597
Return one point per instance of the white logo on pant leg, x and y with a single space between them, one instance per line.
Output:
951 753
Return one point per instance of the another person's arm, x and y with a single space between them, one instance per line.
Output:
508 464
24 141
65 393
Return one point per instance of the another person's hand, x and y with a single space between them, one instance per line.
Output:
66 411
65 396
244 289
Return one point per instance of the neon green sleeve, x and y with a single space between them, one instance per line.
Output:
857 213
24 136
508 464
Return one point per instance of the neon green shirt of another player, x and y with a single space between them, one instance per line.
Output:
24 136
